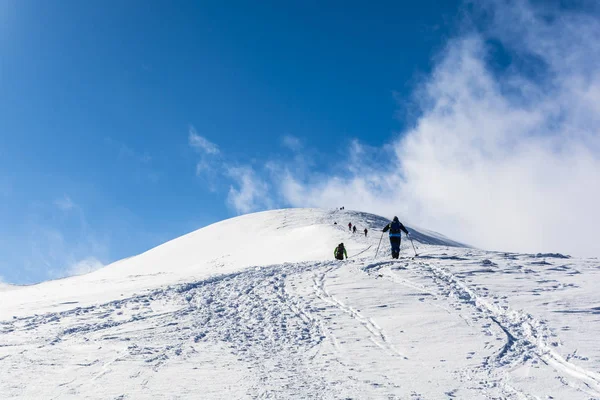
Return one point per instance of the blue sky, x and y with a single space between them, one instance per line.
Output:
97 101
127 124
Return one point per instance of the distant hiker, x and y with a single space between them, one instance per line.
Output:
340 252
334 222
354 229
349 226
366 231
395 227
341 208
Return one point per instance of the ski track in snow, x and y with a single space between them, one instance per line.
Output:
325 329
377 335
249 312
266 328
526 338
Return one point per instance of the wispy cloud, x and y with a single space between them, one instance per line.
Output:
200 143
249 192
209 163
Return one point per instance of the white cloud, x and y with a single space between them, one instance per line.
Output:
251 193
200 143
504 159
65 203
85 266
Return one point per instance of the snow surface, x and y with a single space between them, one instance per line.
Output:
255 307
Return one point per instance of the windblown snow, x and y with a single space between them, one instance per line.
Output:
256 307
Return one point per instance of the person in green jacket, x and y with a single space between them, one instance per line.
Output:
340 252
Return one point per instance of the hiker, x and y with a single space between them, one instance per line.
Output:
335 222
349 226
366 232
395 227
340 252
354 229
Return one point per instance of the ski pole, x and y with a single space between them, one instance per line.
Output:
413 245
377 252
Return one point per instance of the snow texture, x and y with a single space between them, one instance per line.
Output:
255 307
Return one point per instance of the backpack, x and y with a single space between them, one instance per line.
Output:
339 252
395 227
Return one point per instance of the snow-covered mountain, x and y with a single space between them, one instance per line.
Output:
255 307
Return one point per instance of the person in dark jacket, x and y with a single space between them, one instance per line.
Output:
366 231
354 229
396 228
340 252
350 226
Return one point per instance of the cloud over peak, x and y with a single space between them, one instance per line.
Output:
504 152
499 157
502 159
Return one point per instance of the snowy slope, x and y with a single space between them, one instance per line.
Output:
272 237
255 307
